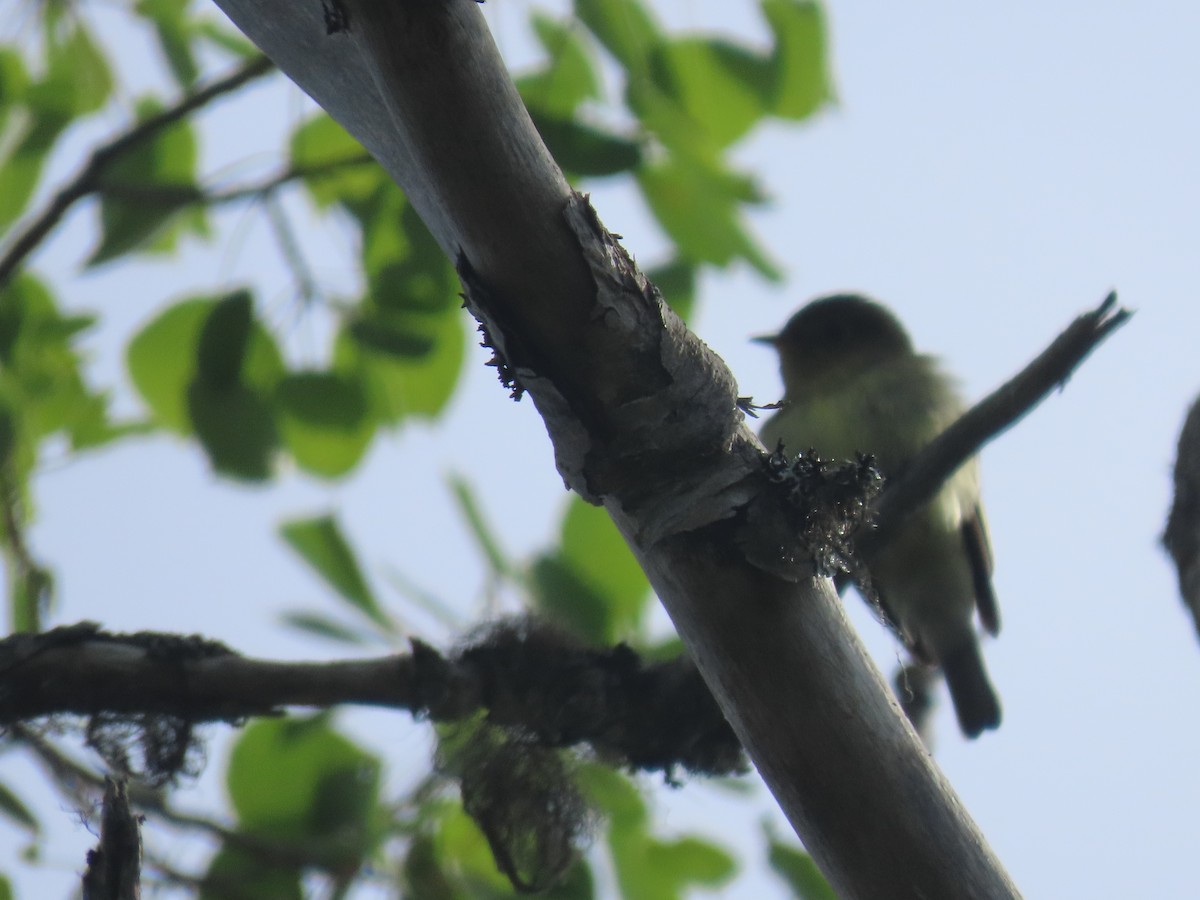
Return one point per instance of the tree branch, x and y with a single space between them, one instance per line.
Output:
279 179
114 869
991 417
650 716
88 180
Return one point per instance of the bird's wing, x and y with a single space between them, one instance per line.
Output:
979 554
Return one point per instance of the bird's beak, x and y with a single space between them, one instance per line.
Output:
769 339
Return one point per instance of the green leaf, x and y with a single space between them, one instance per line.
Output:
665 118
562 595
21 170
77 79
645 866
163 357
323 626
143 190
398 385
173 28
224 338
299 779
625 28
690 861
325 421
801 82
582 150
12 807
239 872
663 870
320 543
14 80
228 39
8 436
31 592
413 306
321 148
461 845
390 339
236 427
797 868
227 404
720 87
569 77
615 795
597 553
422 872
40 370
699 204
484 537
26 138
406 270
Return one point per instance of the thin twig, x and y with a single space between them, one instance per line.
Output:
35 579
993 415
12 518
289 247
278 180
181 195
88 180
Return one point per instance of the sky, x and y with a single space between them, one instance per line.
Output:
989 171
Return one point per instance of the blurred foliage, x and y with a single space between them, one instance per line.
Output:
798 870
211 368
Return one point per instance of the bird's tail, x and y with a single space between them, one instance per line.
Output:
974 699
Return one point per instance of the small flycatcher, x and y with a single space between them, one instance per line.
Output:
853 383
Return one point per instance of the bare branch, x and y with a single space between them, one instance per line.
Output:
992 416
88 180
651 716
278 180
114 869
289 248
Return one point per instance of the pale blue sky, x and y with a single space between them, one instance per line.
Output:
990 171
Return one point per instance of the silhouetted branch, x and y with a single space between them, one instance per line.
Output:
114 868
993 415
527 675
279 179
88 180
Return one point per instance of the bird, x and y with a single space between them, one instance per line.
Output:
853 383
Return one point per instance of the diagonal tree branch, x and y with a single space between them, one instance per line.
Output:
992 416
87 180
